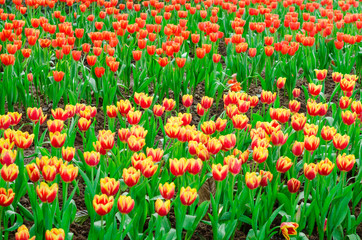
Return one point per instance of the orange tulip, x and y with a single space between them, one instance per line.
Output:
167 190
9 172
6 197
252 180
125 204
188 195
266 178
289 228
219 172
345 162
55 234
68 172
45 193
109 186
23 234
293 185
33 172
340 142
162 208
283 164
325 167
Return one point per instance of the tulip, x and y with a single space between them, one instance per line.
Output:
23 234
57 139
219 172
68 153
340 142
293 185
278 138
23 140
188 195
228 142
162 208
194 166
178 167
91 158
45 193
131 176
289 228
266 178
7 156
9 172
208 127
33 172
328 133
125 204
311 143
310 171
345 162
252 180
260 154
321 74
55 234
298 148
68 172
325 167
109 186
148 168
102 204
167 190
283 164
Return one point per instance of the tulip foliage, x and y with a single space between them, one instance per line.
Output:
157 119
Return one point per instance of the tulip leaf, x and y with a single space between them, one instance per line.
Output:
17 224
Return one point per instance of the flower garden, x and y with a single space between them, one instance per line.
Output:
177 119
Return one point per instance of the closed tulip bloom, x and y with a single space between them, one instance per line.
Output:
310 129
340 142
57 139
266 178
328 133
220 124
188 195
162 208
49 172
219 172
23 234
321 74
283 164
260 154
233 164
125 204
294 106
112 111
325 167
289 228
91 158
314 90
55 234
310 171
8 156
6 197
293 185
298 148
109 186
15 118
68 153
194 166
134 117
348 117
33 172
9 172
311 143
214 146
187 100
296 92
106 138
228 142
58 76
167 190
208 127
158 110
178 167
279 138
240 121
45 193
298 121
5 122
148 168
252 180
131 176
344 102
23 140
68 172
169 104
102 204
156 154
136 144
345 162
281 82
124 134
55 126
